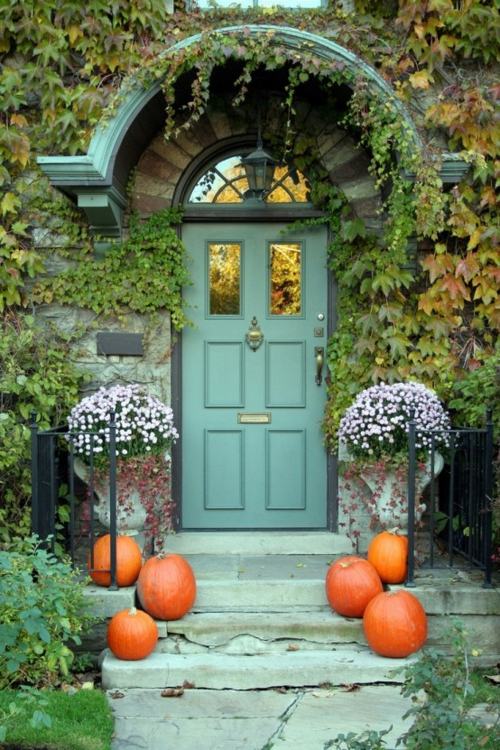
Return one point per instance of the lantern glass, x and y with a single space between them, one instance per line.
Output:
259 170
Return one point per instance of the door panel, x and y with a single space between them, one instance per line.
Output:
252 446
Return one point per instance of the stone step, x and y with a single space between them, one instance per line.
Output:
308 595
258 632
258 543
243 672
273 595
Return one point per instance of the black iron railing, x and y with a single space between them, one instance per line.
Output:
52 468
465 509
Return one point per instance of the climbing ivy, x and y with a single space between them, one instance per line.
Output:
145 273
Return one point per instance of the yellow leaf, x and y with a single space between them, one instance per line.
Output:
474 238
20 149
9 204
74 32
420 80
19 120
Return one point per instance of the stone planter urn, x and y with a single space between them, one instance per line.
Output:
389 488
130 517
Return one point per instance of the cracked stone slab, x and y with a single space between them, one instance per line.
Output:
216 629
198 704
324 714
221 671
193 734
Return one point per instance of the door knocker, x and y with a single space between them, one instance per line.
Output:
254 336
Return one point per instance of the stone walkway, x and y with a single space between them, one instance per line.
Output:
299 719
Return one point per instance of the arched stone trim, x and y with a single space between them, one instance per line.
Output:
97 180
162 165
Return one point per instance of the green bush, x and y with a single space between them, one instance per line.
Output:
477 391
35 375
43 610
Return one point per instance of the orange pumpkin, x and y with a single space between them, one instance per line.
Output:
350 584
132 634
388 553
395 624
128 561
166 587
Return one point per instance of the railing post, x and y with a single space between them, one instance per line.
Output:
35 510
488 499
112 499
412 430
72 513
432 519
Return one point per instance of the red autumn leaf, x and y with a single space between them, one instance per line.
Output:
455 288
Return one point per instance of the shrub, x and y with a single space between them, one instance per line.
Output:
35 375
43 609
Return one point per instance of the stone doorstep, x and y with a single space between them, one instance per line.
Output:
248 672
259 543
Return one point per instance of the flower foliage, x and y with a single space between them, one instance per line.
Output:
144 425
375 426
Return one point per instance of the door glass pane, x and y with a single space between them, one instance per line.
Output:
285 268
224 276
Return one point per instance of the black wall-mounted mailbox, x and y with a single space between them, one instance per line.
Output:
120 344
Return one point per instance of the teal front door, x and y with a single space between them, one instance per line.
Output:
252 384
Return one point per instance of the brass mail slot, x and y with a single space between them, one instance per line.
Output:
262 418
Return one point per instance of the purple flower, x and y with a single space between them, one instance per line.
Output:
376 424
141 420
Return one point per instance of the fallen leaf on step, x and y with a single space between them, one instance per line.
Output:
301 565
293 647
188 685
172 692
350 688
117 694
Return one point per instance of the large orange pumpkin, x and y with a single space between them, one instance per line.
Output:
350 584
395 624
166 587
128 561
388 553
132 634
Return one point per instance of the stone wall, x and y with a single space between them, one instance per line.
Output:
151 370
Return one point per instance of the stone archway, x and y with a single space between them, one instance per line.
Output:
163 163
98 179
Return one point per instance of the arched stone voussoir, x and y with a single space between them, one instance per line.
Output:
97 180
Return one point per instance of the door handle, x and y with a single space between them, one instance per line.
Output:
319 356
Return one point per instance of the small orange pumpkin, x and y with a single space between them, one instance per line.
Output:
166 586
350 584
128 561
388 553
395 624
132 634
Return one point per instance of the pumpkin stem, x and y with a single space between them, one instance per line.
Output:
132 611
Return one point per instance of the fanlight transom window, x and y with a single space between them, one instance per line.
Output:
225 181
